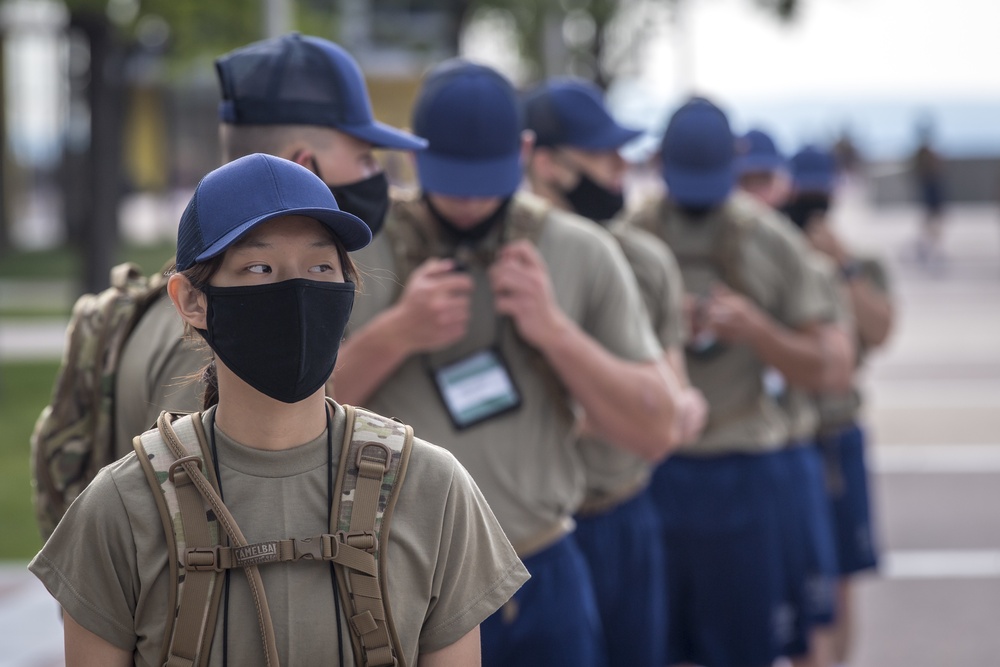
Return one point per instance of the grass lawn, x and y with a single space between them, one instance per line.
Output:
64 263
24 390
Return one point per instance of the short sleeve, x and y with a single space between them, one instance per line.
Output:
88 563
615 314
477 569
805 299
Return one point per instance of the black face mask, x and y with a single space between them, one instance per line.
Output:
368 198
281 339
696 213
594 201
477 232
803 207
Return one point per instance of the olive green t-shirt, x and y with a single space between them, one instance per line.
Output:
526 462
612 471
449 564
839 410
800 405
741 242
157 370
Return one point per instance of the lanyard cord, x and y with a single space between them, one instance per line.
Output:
329 522
329 518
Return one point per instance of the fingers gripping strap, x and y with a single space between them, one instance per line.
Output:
373 464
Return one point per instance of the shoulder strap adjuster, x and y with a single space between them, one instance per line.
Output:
370 464
203 559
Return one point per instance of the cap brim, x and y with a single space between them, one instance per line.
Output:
459 177
381 135
759 163
699 188
612 138
351 230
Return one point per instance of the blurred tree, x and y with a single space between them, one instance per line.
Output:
597 35
109 35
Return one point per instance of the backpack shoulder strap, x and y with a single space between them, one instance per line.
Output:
194 597
372 467
186 491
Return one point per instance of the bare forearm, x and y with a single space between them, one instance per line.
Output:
799 357
627 403
838 359
367 359
873 313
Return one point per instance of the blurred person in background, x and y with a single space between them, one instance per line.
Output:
841 436
576 166
297 97
491 317
928 175
811 572
749 307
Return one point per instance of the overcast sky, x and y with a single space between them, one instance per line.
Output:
852 47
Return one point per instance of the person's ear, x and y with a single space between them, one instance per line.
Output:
190 302
527 146
301 154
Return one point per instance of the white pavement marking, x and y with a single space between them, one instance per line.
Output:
931 459
940 564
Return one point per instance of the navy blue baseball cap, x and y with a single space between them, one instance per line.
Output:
571 112
697 153
814 170
235 198
756 152
470 115
302 80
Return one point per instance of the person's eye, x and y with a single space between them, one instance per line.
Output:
321 268
259 268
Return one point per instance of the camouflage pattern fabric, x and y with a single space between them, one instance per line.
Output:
73 437
157 459
371 428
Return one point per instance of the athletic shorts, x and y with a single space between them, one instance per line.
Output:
722 542
847 487
552 619
811 570
623 545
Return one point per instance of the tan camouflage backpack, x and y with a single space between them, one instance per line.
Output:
372 466
74 436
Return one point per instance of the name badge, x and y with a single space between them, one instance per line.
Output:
476 388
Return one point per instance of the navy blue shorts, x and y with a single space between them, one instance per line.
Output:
623 545
810 551
552 619
847 488
722 542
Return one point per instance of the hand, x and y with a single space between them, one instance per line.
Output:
435 306
731 316
522 290
692 414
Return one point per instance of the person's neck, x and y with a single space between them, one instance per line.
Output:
261 422
550 194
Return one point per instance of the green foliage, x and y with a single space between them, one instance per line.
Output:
24 391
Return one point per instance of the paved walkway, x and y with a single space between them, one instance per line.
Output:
934 409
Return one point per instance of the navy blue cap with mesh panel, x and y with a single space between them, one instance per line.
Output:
697 152
571 112
470 115
302 80
238 196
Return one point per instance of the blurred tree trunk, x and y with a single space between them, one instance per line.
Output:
94 176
